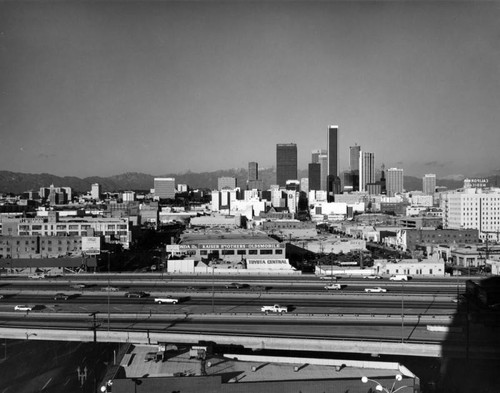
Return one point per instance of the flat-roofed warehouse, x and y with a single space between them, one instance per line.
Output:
234 246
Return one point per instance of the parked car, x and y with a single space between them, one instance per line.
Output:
23 308
376 289
61 296
136 294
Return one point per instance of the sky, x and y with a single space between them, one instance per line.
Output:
100 88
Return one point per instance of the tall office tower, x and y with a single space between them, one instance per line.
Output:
253 182
226 183
323 162
164 187
95 191
332 142
383 184
253 171
394 182
354 152
314 176
286 163
316 153
333 180
366 169
429 184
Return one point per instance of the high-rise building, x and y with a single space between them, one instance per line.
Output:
323 162
164 187
394 181
286 163
429 184
253 171
354 152
473 208
304 185
226 183
316 153
314 176
253 182
332 142
366 169
95 191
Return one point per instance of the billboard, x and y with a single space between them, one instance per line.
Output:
91 245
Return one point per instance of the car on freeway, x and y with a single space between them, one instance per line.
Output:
109 289
376 289
78 286
333 286
137 294
2 296
23 308
37 276
166 299
61 296
374 277
399 277
236 285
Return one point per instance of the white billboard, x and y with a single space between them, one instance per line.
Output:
91 245
268 264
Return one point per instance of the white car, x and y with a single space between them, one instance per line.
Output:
23 308
109 289
167 300
37 276
376 289
333 286
374 277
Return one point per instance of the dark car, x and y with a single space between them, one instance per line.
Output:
137 294
236 285
61 296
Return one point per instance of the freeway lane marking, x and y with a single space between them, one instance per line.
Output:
47 383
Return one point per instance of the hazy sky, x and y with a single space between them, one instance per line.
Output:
107 87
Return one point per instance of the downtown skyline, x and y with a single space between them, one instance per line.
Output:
166 87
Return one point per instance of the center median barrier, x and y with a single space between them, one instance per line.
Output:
242 316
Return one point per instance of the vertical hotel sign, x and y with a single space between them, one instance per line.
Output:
91 245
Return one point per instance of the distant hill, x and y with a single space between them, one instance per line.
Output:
13 182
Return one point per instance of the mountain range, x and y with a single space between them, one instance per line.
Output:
17 183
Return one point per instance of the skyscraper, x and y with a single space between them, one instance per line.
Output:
394 181
366 169
253 171
354 152
314 176
333 180
429 184
323 162
286 163
332 142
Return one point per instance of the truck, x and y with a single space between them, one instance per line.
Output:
167 299
276 308
399 277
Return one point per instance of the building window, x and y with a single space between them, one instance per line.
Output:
266 252
279 252
241 252
227 252
252 252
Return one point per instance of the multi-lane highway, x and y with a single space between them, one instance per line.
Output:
208 306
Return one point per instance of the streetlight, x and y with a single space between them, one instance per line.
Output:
402 314
108 289
380 388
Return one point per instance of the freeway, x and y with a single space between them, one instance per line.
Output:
207 307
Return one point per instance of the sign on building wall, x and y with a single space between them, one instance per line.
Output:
91 245
268 264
